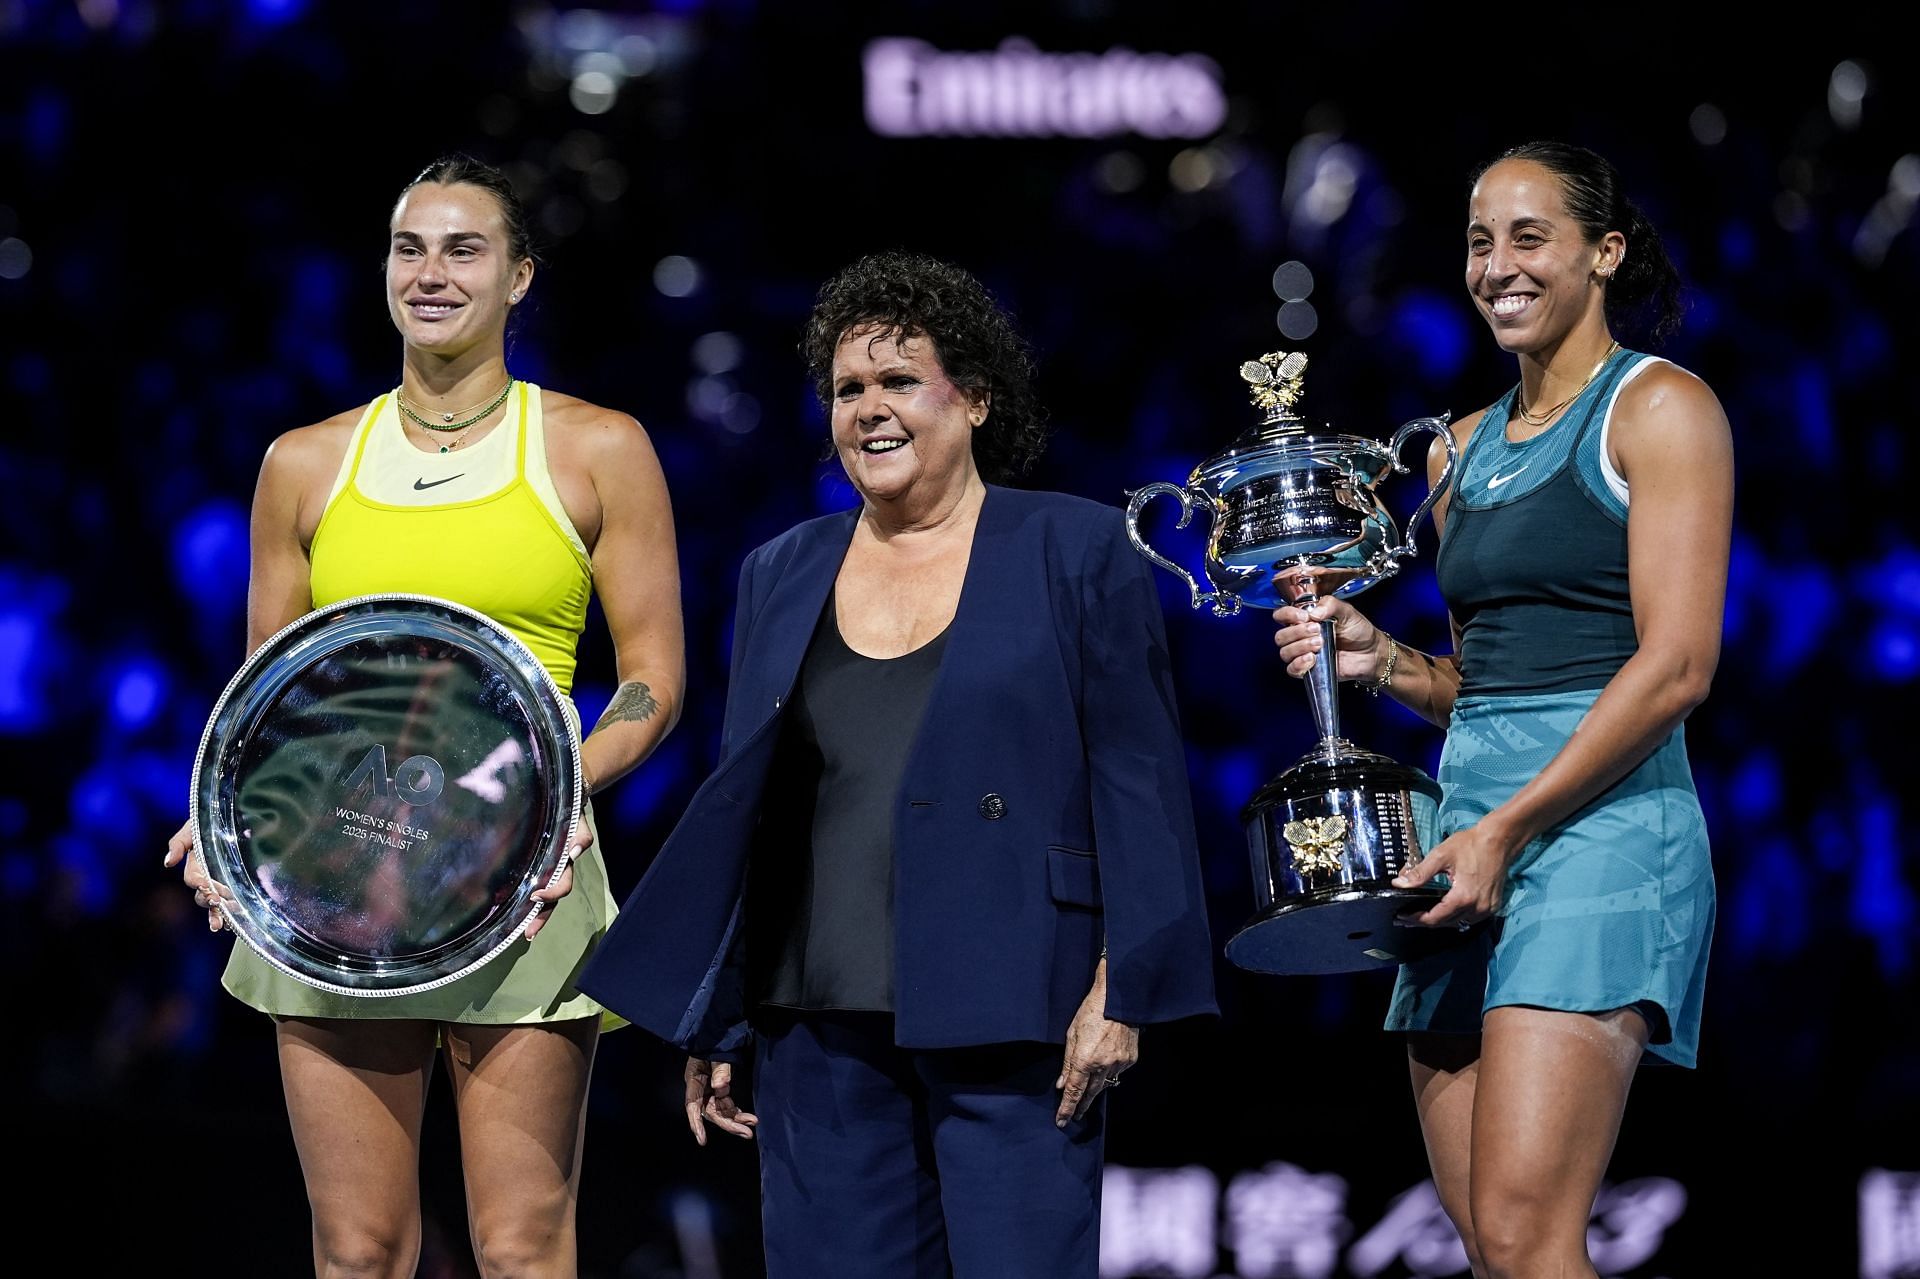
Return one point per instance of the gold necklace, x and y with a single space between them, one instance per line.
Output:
446 422
458 440
1543 418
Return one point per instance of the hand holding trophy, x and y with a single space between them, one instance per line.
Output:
1295 517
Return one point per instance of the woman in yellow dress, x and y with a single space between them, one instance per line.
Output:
466 484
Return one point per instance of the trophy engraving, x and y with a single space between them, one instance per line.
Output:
1294 516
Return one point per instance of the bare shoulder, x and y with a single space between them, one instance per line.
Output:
307 451
583 424
592 435
1668 429
1666 389
1663 407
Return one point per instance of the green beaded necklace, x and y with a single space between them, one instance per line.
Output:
447 424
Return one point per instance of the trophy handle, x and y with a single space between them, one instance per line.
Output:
1437 426
1224 605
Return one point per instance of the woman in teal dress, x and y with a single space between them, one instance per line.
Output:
1583 558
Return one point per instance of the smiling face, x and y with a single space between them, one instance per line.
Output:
900 425
451 275
1532 271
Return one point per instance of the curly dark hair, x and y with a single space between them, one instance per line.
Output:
912 295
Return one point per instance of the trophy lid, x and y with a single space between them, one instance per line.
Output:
1282 439
1274 382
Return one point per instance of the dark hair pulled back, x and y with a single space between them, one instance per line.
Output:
1644 295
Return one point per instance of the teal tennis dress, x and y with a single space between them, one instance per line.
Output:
1614 906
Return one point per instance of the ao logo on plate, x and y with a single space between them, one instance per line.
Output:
417 782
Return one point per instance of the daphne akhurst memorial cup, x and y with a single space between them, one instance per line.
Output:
1295 516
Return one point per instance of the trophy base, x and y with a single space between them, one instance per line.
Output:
1326 838
1344 928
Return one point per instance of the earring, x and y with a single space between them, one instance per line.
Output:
513 297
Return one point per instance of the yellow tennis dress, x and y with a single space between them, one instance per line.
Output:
482 527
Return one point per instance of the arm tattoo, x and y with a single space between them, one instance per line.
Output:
631 701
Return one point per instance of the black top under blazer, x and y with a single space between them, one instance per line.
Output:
1044 805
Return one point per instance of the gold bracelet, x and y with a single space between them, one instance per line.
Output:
1386 672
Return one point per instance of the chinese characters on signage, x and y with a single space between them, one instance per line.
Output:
1285 1222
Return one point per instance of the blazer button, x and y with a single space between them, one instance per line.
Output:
992 807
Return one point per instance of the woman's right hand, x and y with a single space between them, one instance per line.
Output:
1360 647
206 893
710 1100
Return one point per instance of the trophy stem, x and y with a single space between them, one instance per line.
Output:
1323 688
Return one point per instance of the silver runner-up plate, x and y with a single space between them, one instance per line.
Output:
382 788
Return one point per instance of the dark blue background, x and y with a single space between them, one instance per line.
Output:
194 198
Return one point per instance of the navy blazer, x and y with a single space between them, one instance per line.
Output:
1044 805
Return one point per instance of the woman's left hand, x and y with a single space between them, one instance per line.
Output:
1097 1051
1475 860
549 897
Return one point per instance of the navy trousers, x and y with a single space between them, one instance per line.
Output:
891 1163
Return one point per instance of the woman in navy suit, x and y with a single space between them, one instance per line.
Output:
945 868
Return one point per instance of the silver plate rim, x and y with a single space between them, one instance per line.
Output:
260 655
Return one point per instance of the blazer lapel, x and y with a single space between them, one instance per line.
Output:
787 620
987 611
